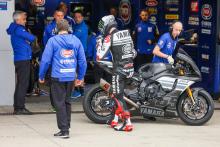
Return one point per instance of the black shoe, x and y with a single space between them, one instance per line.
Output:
23 111
62 134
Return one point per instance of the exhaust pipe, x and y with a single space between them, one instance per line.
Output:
106 86
131 102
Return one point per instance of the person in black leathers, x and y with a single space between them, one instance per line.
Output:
120 44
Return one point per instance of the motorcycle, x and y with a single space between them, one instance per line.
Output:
156 90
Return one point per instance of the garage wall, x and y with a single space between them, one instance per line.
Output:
7 76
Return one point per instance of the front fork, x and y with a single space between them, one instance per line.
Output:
188 90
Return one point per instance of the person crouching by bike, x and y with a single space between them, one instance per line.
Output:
120 44
167 43
64 52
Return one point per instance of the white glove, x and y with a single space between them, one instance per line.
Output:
170 60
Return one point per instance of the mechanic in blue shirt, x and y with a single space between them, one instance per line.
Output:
63 7
20 40
98 72
65 53
50 30
167 43
145 34
80 30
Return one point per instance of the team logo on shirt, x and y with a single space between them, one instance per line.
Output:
66 53
127 49
150 29
139 29
161 42
169 45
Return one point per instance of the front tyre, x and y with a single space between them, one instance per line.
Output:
197 114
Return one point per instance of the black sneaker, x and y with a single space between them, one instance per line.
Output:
23 111
62 134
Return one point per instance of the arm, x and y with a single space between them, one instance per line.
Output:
158 53
46 60
81 62
45 37
102 49
24 34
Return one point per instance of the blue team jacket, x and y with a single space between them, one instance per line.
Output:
81 32
49 32
20 40
167 46
64 53
144 31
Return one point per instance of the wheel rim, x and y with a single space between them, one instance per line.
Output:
197 111
99 97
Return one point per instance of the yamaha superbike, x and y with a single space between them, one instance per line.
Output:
157 90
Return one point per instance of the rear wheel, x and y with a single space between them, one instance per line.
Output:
199 113
97 106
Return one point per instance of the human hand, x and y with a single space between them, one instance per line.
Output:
41 81
170 60
78 82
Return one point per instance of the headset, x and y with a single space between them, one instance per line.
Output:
171 27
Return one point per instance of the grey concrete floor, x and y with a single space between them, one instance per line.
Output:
37 131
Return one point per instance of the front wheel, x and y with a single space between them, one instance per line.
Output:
199 113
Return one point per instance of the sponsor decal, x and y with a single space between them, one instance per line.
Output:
139 29
169 45
206 12
205 56
125 11
205 69
172 9
66 53
193 20
171 16
153 19
152 11
38 2
3 6
206 24
151 3
172 2
205 46
127 49
149 29
206 31
195 6
67 70
161 42
107 39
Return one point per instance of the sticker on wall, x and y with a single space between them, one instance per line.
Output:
206 11
171 17
3 6
125 11
38 2
151 3
195 6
